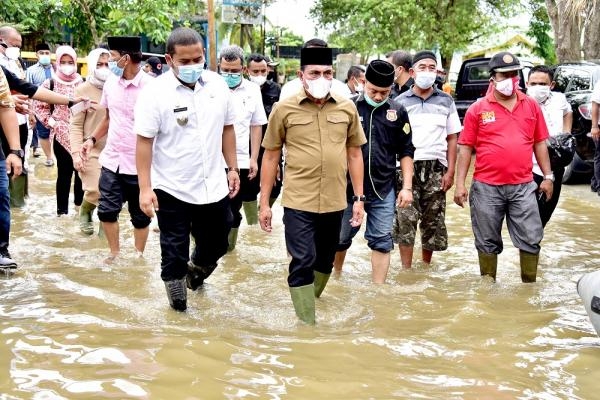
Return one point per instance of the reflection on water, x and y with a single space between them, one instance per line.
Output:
73 328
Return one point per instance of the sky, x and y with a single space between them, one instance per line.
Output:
294 15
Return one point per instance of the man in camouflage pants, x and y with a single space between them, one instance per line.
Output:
435 126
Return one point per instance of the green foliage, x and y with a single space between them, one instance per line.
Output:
539 26
86 23
379 26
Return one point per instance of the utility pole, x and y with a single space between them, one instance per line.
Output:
212 42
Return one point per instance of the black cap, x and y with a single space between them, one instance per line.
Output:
155 64
125 44
380 73
421 55
504 62
316 56
42 46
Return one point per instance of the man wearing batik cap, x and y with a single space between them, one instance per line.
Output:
118 178
504 128
435 125
322 134
389 138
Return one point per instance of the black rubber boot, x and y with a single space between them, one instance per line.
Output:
196 275
177 294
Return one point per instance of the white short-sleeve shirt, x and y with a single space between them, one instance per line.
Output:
249 110
596 93
187 127
554 109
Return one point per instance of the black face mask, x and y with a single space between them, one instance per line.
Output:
271 76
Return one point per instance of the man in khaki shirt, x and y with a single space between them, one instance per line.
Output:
322 135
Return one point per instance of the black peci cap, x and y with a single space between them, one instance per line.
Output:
504 62
42 46
125 44
316 56
380 73
421 55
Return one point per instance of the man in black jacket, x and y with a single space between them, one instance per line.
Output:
389 137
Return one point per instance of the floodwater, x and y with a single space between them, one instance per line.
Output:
72 328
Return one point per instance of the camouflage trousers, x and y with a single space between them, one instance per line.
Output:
428 207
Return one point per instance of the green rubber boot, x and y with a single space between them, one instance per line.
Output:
529 263
17 189
85 217
272 201
303 298
320 282
232 239
488 263
251 212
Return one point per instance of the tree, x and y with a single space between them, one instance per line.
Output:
539 27
378 26
86 23
574 21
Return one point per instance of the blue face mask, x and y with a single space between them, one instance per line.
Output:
45 59
372 102
190 73
115 69
232 80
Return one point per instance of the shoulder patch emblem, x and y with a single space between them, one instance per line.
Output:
391 115
406 128
487 117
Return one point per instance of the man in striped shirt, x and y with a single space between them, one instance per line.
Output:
37 74
435 125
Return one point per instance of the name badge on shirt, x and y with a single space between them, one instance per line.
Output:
181 115
488 116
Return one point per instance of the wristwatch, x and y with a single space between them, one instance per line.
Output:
362 197
20 153
549 177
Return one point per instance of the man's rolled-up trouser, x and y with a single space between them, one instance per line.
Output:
491 203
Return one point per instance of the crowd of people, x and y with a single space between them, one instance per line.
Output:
387 143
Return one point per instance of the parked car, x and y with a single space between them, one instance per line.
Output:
577 81
474 79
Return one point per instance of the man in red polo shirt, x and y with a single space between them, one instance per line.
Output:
504 128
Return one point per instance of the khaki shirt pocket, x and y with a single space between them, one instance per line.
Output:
338 127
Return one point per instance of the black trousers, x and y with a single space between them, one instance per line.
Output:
547 207
311 240
64 165
246 193
209 225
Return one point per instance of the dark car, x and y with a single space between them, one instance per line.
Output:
576 81
474 79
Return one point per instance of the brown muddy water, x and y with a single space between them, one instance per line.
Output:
73 328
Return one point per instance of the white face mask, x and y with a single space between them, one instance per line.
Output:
539 92
67 69
258 79
318 88
358 86
12 53
507 86
425 79
102 74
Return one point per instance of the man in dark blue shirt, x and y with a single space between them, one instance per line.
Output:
389 138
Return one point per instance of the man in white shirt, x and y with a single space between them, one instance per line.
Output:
294 86
559 119
186 162
250 117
